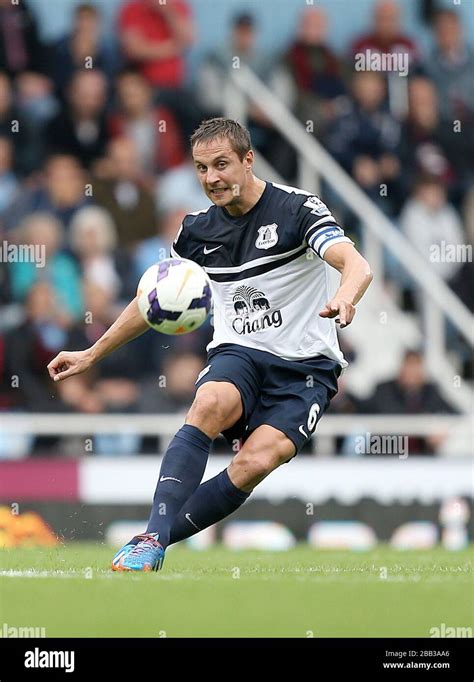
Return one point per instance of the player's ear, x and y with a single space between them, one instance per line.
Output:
248 160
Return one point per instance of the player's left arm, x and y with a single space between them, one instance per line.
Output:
356 277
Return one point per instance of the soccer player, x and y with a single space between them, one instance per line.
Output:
274 360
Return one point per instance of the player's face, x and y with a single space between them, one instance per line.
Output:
221 172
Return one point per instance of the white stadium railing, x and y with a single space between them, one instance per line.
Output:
458 430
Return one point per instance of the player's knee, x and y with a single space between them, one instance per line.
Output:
205 404
261 460
207 411
251 465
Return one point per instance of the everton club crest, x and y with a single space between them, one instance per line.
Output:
267 236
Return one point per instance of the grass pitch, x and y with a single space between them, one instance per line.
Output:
71 592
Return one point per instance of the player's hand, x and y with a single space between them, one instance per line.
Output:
66 364
343 310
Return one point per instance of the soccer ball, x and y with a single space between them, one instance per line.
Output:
174 296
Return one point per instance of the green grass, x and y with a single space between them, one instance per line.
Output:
220 593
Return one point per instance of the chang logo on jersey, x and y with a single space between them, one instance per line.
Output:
267 236
250 306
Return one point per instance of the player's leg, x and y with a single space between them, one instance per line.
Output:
291 402
265 450
216 407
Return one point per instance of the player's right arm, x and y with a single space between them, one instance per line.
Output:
126 327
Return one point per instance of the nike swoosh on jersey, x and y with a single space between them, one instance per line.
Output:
206 250
169 478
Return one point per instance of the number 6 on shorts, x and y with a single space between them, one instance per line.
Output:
313 417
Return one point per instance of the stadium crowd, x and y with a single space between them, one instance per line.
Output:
95 167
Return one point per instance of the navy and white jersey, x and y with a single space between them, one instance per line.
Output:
268 277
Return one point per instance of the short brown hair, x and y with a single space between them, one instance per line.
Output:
444 12
238 136
86 8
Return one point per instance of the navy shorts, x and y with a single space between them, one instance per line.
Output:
290 395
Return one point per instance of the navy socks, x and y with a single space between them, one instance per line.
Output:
212 501
181 472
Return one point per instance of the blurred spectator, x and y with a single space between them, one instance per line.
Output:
59 269
12 124
8 180
37 106
463 282
468 213
344 402
154 129
7 109
315 68
62 192
115 378
429 147
20 47
213 79
180 190
24 121
411 393
84 44
93 238
35 97
431 224
364 139
123 191
240 47
155 249
386 35
451 67
34 343
5 294
80 128
6 398
174 390
155 36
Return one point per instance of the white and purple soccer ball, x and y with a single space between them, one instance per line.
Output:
174 296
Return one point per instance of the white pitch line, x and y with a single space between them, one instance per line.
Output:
300 577
79 575
33 573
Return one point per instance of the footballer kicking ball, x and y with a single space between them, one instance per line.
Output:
174 296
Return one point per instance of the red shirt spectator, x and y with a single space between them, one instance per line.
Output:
397 44
154 36
314 67
386 36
